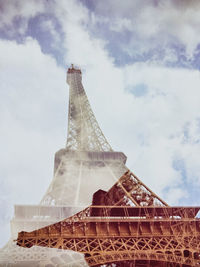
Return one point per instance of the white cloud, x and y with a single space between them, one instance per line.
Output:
48 25
153 25
149 25
11 11
175 194
158 123
33 105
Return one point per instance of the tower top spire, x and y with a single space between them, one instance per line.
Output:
74 69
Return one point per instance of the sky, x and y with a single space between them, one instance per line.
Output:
140 62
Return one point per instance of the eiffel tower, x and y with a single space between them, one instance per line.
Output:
127 225
86 164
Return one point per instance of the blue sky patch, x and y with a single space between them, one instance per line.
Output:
138 90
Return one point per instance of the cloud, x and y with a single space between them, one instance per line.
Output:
157 123
48 25
167 24
141 31
33 99
16 14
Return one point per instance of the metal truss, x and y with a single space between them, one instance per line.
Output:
84 132
129 190
39 257
150 234
119 233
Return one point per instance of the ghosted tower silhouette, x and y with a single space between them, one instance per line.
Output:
86 164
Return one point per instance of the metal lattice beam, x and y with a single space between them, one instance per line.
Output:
130 190
124 233
84 132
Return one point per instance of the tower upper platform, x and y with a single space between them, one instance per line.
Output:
74 70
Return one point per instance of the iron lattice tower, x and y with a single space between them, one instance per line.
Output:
126 225
86 164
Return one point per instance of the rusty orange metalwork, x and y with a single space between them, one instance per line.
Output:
126 227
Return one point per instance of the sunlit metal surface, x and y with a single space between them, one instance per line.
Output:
156 235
